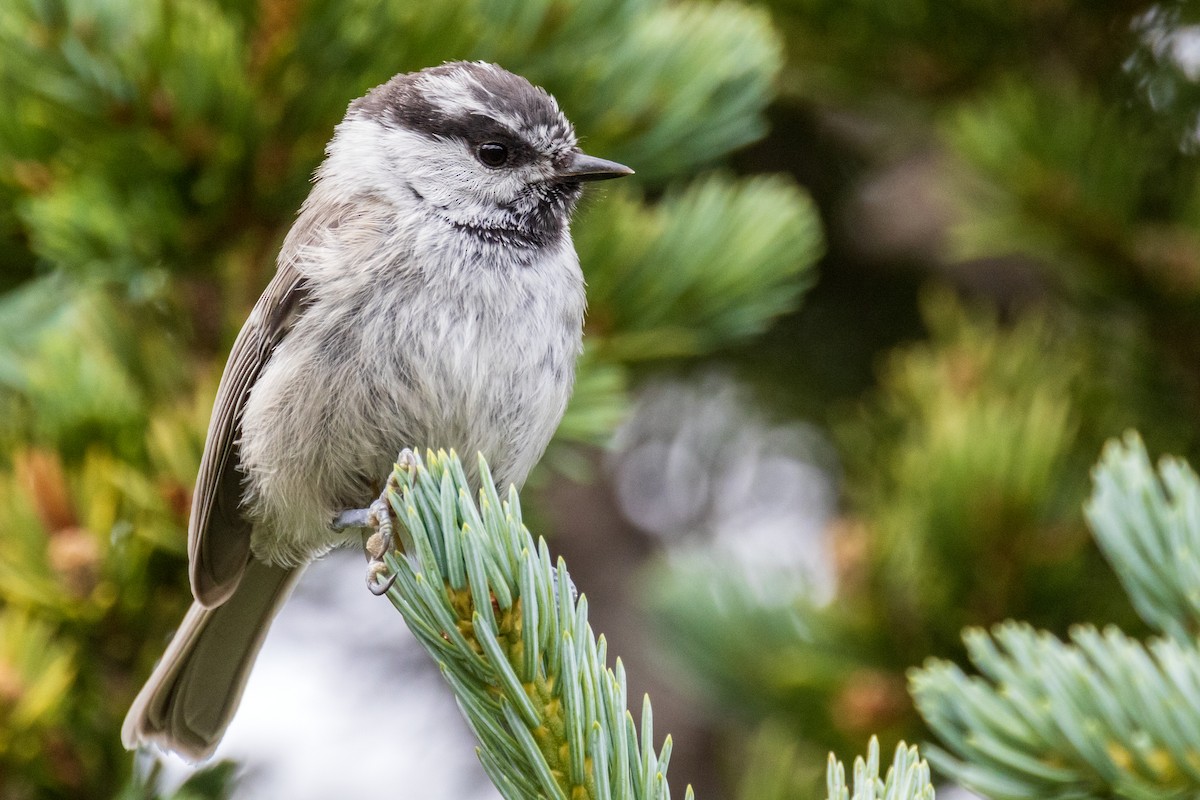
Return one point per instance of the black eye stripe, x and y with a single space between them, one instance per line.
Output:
403 101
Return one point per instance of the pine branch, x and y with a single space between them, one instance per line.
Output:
741 252
512 640
1102 715
1149 529
907 778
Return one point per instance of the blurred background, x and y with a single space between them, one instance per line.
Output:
889 274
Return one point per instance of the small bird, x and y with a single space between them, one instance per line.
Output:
428 296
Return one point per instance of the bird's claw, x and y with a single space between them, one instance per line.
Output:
377 516
374 586
377 546
407 459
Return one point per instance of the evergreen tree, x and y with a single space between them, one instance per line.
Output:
1009 198
1101 715
1007 195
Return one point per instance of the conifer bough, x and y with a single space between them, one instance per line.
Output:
513 641
906 779
1100 715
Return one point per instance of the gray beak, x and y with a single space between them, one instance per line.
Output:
589 168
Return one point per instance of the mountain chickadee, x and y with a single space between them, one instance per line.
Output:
428 295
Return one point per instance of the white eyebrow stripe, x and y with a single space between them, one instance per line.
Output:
453 91
462 90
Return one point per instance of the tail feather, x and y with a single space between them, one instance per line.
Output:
190 698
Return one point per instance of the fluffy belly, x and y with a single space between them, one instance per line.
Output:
321 429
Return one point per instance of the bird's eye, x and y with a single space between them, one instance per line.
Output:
493 154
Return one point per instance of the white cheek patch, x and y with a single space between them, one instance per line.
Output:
448 176
355 154
396 162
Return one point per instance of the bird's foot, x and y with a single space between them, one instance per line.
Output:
377 517
379 544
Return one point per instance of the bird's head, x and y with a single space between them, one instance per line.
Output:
480 148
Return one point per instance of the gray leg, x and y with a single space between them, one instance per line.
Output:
352 518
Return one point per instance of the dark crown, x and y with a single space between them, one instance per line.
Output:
473 101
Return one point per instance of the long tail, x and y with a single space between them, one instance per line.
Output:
191 696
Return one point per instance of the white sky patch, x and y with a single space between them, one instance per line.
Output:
1185 50
343 702
700 465
1179 44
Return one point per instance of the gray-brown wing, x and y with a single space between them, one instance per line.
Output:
218 532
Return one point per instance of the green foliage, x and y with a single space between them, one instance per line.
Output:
152 156
1041 159
759 648
145 151
1102 715
91 576
708 266
903 63
650 115
76 366
776 766
1149 529
37 671
1053 191
907 778
1164 82
514 643
959 467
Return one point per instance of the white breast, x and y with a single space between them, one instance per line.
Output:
437 343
